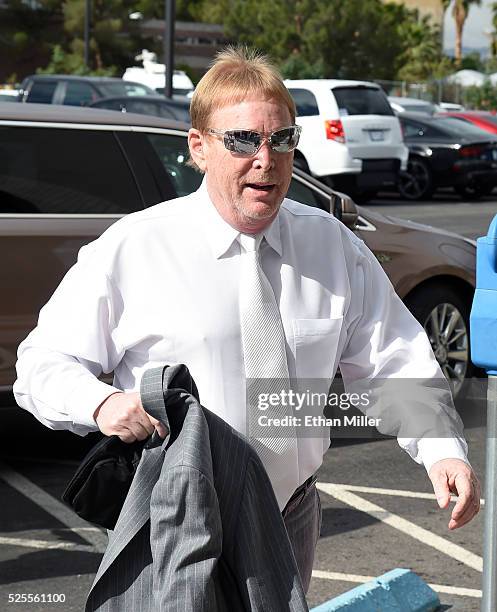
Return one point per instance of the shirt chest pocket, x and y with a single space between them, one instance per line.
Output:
316 346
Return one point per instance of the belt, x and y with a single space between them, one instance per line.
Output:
299 494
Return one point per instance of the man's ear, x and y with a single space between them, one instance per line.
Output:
195 143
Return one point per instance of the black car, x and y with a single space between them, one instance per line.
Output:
77 90
176 109
447 152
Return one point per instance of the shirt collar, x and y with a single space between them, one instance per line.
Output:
221 235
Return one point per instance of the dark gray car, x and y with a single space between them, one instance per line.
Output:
175 108
77 90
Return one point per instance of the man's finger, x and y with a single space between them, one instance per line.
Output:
466 493
468 504
126 435
139 430
441 488
161 429
146 422
470 511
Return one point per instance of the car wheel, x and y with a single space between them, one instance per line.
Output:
416 182
445 318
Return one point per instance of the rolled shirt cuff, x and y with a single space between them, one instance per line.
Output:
431 450
83 403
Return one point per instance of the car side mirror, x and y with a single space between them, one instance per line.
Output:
343 208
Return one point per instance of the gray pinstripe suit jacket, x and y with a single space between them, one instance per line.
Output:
200 529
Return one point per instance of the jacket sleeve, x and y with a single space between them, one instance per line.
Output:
186 542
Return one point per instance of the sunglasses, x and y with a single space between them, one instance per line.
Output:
248 142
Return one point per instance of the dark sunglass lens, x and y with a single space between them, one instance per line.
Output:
285 140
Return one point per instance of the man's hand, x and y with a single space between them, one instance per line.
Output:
455 476
122 414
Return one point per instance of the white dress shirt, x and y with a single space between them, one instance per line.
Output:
161 286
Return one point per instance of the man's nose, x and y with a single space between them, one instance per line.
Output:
264 158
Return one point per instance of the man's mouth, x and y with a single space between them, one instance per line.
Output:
265 187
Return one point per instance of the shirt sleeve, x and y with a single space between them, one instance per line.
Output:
389 354
74 342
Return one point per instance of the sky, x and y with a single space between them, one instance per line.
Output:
479 19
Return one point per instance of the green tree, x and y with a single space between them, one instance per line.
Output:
109 48
27 34
362 39
481 98
332 38
472 61
422 58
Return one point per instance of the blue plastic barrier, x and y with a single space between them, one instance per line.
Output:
399 590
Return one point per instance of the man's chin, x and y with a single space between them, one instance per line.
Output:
259 210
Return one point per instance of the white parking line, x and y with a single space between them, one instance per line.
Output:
96 537
395 492
411 529
44 544
439 588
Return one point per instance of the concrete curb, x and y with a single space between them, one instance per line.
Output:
399 590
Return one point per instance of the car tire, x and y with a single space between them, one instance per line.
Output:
416 183
440 306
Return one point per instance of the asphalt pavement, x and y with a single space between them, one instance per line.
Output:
445 211
379 511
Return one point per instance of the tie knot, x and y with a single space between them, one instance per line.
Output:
250 242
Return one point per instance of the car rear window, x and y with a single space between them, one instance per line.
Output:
417 129
361 101
124 88
64 171
79 93
305 102
173 153
457 127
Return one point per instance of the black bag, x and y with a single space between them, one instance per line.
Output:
106 474
99 487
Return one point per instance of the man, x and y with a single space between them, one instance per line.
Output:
239 284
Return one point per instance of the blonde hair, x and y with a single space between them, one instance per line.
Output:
237 73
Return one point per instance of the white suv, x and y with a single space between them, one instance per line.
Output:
351 137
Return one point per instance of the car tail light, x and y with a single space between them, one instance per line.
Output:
334 130
471 152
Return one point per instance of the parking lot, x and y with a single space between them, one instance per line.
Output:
378 509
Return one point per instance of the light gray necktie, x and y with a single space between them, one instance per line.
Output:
266 367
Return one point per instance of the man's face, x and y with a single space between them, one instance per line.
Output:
247 191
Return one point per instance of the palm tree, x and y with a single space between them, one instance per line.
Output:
460 10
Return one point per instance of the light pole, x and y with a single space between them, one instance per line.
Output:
87 33
169 17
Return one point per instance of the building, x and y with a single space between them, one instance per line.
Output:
195 44
433 8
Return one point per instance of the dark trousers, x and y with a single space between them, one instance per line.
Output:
302 516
